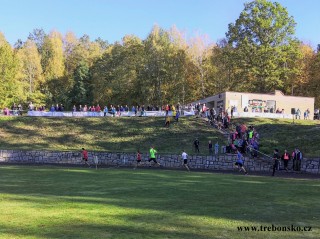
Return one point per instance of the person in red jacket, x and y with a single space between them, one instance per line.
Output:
138 159
85 156
286 157
98 108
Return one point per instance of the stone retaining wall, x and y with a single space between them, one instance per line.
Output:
223 162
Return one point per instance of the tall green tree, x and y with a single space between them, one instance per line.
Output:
116 75
52 56
9 87
130 65
159 51
30 68
56 85
71 53
225 65
297 82
313 87
81 50
263 45
200 52
183 85
80 90
38 36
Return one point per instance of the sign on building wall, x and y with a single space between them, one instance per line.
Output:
256 105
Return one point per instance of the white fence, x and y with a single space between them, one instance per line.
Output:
150 113
101 114
262 115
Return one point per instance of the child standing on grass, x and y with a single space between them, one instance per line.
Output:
85 156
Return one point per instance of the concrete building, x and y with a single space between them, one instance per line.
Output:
260 105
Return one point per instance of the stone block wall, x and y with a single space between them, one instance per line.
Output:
222 162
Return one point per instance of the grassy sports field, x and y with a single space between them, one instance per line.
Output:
57 202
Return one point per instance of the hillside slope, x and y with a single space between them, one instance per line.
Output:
130 134
104 134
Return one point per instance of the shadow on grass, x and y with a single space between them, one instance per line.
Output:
76 229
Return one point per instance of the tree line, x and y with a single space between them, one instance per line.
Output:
259 53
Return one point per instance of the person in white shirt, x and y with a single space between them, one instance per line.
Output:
184 157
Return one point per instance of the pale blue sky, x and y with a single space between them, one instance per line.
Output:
112 19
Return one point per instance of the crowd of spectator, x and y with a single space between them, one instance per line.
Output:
14 110
295 156
118 110
244 139
219 117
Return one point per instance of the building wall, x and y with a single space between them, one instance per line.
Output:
213 101
221 162
241 99
282 101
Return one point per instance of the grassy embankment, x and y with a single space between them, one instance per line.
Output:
130 134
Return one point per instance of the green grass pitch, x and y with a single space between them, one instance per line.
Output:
58 202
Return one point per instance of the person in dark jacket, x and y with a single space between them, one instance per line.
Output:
298 159
196 144
276 159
